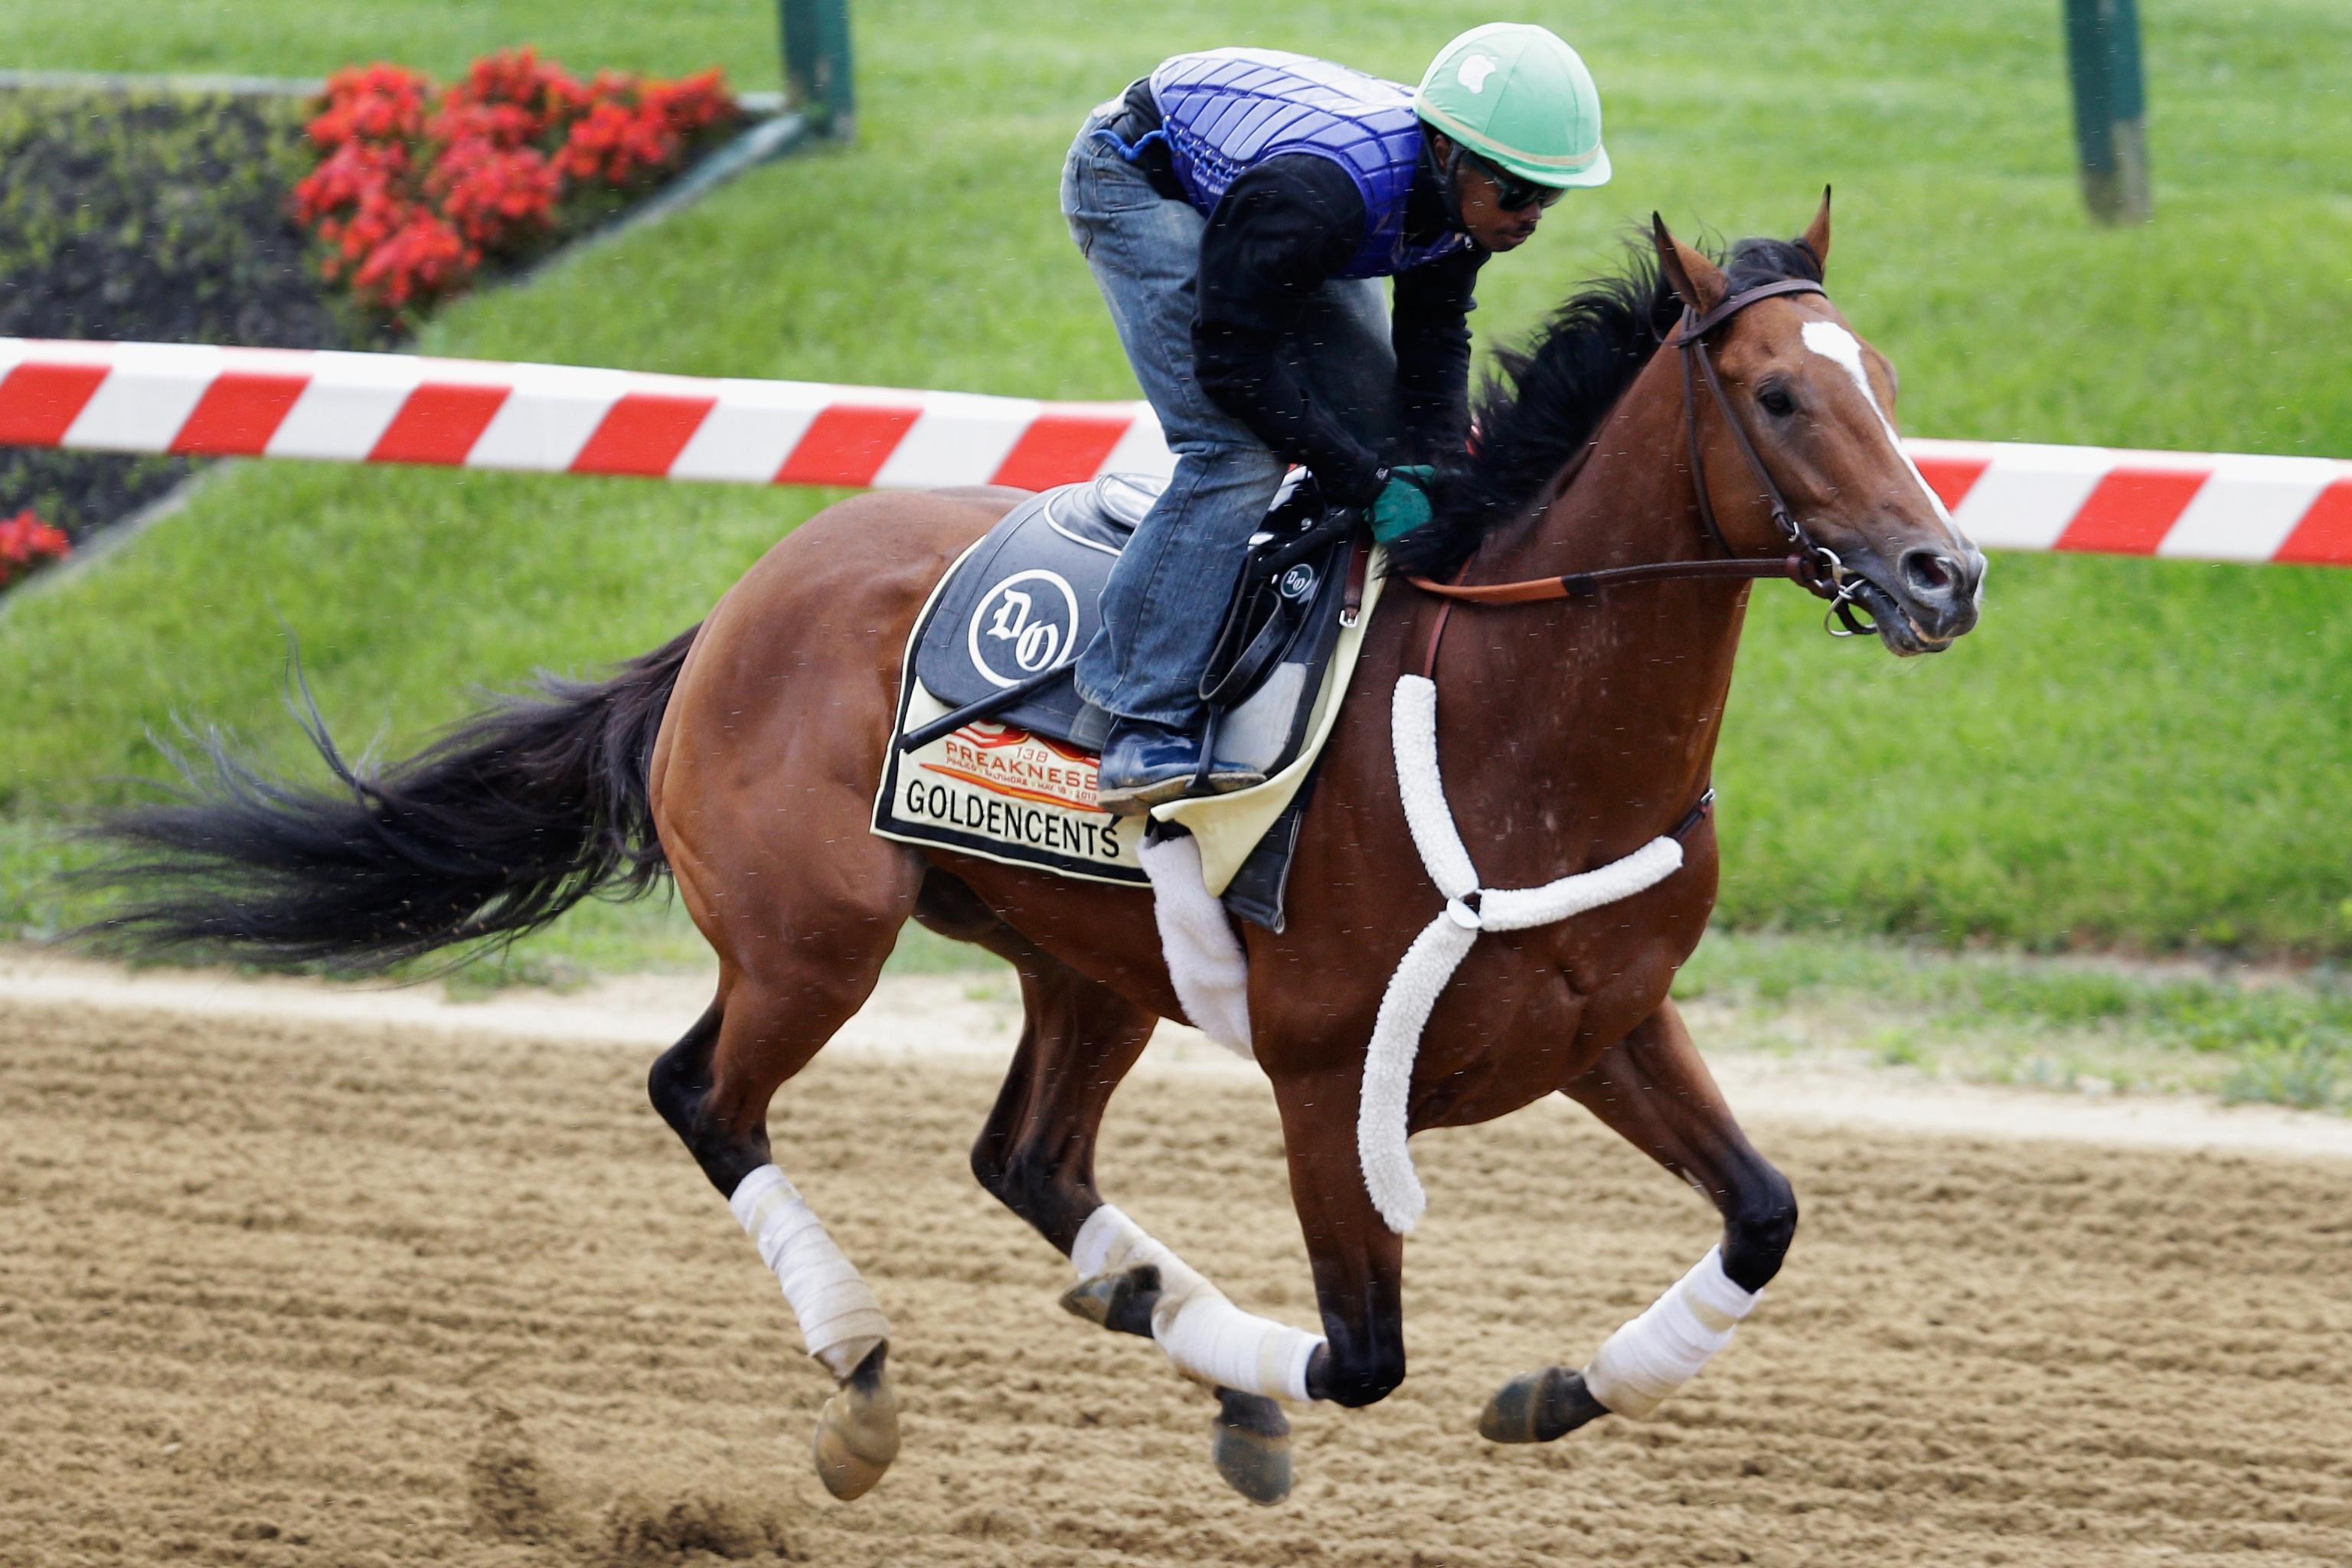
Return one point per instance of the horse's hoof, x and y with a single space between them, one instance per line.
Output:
1249 1437
857 1432
1121 1302
1538 1407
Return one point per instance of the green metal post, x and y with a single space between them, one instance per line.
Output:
2110 109
816 65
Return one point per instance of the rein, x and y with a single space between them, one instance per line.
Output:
1808 563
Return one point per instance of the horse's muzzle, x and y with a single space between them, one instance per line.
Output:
1927 601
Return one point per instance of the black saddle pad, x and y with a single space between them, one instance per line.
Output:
1026 600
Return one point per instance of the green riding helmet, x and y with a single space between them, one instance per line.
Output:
1518 96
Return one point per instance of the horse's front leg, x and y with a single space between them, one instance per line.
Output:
1358 1261
1128 1280
1655 1092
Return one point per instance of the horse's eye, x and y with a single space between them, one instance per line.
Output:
1777 402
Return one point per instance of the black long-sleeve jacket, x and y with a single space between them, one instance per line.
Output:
1283 229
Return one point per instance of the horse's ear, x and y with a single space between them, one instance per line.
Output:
1696 280
1817 233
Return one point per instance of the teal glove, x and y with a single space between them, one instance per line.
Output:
1402 504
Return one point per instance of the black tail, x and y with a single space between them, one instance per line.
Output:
492 831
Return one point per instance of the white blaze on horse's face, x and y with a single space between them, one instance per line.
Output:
1916 574
1836 344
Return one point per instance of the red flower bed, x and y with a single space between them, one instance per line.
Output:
418 186
27 544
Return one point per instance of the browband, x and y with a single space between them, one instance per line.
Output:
1733 304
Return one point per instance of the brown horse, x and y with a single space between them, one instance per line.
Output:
1573 729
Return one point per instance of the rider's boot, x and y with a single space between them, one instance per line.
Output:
1145 765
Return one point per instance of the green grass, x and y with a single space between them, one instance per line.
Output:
2126 753
2048 1022
653 936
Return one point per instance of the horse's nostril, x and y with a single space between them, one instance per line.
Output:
1930 575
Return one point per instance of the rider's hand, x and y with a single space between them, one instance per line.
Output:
1402 504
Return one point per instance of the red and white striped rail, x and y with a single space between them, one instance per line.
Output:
543 419
550 418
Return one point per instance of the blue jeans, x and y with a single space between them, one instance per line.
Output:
1166 597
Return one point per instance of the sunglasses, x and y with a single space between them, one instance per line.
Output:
1513 193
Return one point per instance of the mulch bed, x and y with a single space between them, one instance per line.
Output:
153 217
167 218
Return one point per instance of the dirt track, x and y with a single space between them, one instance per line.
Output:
281 1292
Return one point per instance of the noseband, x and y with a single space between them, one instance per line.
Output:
1809 562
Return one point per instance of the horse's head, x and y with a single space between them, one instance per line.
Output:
1816 404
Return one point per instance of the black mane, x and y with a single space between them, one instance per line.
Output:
1544 403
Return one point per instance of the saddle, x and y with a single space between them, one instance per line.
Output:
1017 612
994 753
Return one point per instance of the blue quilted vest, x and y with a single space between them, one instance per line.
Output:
1227 110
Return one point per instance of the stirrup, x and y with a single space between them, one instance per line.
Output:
1138 799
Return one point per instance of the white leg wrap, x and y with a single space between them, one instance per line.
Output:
840 1321
1662 1348
1203 1333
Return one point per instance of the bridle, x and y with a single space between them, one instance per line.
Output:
1821 570
1809 562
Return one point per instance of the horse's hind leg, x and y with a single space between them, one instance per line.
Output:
713 1088
1036 1153
1654 1091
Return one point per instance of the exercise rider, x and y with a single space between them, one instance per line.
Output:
1238 208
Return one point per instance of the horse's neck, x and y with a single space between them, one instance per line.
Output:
1631 500
1596 721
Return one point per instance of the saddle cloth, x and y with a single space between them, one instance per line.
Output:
1017 784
